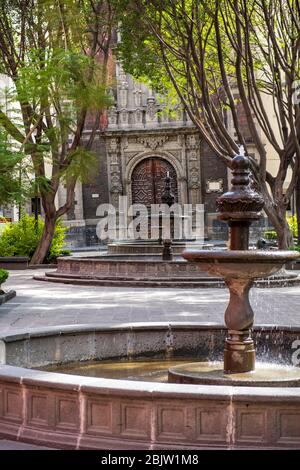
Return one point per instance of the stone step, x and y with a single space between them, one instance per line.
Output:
142 282
119 282
132 278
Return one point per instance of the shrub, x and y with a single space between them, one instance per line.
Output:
3 276
292 221
270 235
22 238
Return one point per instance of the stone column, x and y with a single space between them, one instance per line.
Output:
114 170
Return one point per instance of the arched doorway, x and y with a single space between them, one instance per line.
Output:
148 181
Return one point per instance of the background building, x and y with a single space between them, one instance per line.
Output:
142 142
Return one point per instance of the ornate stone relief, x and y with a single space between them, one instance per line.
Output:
151 110
193 155
113 149
192 142
112 145
123 117
137 95
114 159
138 117
112 116
194 179
115 187
153 141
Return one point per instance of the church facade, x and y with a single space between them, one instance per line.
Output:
144 141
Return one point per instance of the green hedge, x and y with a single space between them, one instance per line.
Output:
3 276
270 235
22 238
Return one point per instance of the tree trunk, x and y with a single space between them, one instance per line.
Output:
284 234
45 241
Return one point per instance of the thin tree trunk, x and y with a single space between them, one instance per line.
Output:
45 241
285 238
284 234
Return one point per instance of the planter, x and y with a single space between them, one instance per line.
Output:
14 262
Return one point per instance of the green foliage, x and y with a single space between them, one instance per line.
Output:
22 238
296 248
3 276
83 166
70 80
292 221
270 235
12 187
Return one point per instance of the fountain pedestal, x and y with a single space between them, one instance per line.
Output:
239 352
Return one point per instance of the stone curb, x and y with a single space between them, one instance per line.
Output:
7 296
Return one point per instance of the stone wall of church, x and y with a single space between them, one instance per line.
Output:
142 126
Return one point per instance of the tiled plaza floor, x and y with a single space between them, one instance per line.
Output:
41 304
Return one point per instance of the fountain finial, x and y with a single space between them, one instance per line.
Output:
242 204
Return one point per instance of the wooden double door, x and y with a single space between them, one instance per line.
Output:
148 181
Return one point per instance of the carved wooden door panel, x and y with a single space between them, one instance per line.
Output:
148 181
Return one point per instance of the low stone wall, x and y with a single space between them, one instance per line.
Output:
111 267
7 296
85 413
14 262
75 412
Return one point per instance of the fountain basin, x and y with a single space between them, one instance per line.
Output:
206 373
242 264
69 411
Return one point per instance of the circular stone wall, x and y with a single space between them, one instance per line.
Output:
111 271
61 411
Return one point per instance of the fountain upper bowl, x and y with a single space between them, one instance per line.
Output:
247 264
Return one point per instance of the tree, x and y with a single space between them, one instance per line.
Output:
228 60
56 54
12 187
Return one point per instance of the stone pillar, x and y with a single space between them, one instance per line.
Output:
114 170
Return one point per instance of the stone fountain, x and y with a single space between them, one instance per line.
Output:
239 267
51 392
